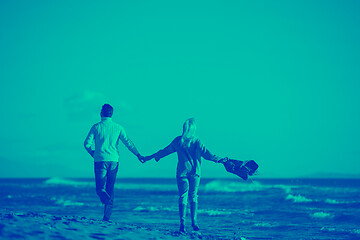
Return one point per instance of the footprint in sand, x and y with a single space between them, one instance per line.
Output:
191 235
124 228
36 232
55 218
99 236
72 229
60 237
2 226
11 216
15 235
73 220
196 235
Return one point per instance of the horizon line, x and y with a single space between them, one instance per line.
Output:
225 178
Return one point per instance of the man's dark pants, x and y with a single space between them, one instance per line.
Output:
105 176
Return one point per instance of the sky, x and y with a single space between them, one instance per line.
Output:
273 81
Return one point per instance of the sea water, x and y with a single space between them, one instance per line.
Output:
228 208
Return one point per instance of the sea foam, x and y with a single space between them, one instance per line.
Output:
147 187
321 215
333 201
63 181
152 209
297 198
236 186
214 212
263 225
118 185
230 186
66 202
342 232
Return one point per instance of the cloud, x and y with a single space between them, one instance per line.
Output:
84 104
87 104
86 97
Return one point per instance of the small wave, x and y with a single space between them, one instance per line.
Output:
230 186
210 212
151 209
63 181
298 198
342 232
321 215
120 186
335 189
286 188
66 202
263 225
147 187
236 186
333 201
327 229
214 212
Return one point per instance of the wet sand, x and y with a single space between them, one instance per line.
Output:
32 225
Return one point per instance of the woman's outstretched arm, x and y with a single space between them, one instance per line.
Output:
206 154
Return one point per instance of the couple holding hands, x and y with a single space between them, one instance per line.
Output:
106 136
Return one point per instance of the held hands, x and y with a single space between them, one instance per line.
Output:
223 160
147 158
140 157
143 159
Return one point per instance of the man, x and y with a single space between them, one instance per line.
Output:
107 136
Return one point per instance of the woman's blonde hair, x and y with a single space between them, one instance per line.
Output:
188 135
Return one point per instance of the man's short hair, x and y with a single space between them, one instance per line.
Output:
107 110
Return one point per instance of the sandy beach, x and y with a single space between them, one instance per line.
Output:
32 225
147 209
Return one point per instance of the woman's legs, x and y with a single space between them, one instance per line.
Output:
194 182
188 188
183 187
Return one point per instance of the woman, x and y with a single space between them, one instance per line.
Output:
189 150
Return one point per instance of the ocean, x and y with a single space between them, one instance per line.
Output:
228 208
